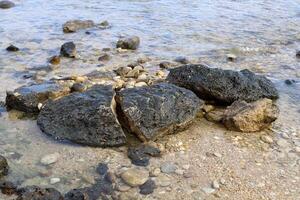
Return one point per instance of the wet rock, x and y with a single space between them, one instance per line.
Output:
102 168
37 193
231 57
50 159
289 82
3 166
8 188
6 4
27 98
250 117
104 23
165 65
75 25
215 115
77 194
168 168
131 43
78 87
85 118
123 71
148 187
54 180
135 177
223 86
68 50
157 110
208 190
298 54
141 155
54 60
182 60
12 48
104 57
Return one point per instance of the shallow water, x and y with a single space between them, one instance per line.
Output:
264 34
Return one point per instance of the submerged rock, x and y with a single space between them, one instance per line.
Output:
131 43
75 25
85 118
135 177
12 48
298 54
54 60
8 188
6 4
157 110
223 86
250 117
37 193
68 50
28 98
148 187
3 166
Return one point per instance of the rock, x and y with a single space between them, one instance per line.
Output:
123 187
266 139
250 117
77 194
231 57
12 48
215 115
208 108
102 168
155 172
282 143
78 87
3 166
123 71
54 60
8 188
6 4
50 159
104 57
182 60
168 168
215 184
157 110
298 54
223 86
37 193
68 50
104 23
143 59
27 98
148 187
135 177
86 118
289 81
208 190
54 180
163 181
165 65
131 43
141 84
75 25
141 155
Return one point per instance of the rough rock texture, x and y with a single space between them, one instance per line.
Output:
157 110
28 98
223 86
3 166
250 117
75 25
6 4
68 50
131 43
85 118
37 193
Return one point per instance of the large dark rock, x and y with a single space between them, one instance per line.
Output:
28 98
85 118
6 4
157 110
75 25
131 43
68 50
37 193
223 86
3 166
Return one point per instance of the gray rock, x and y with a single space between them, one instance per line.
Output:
68 50
148 187
168 168
86 118
75 25
6 4
135 177
3 166
157 110
298 54
131 43
223 86
140 155
37 193
28 98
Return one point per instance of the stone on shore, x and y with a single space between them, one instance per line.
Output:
250 117
222 86
157 110
3 166
28 98
140 155
8 188
85 118
148 187
135 177
6 4
12 48
131 43
68 50
37 193
75 25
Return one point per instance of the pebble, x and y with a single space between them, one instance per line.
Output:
5 4
12 48
54 180
179 171
182 60
188 175
266 139
208 190
282 143
148 187
155 172
186 167
168 168
54 60
222 181
215 184
231 57
135 177
163 181
50 159
104 57
165 65
102 168
298 54
140 84
78 87
217 154
122 187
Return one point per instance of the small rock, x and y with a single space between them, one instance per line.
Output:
222 181
155 172
75 25
78 87
123 187
282 143
3 166
143 60
8 188
54 60
298 54
104 23
77 194
54 180
12 48
102 168
208 108
231 57
188 174
160 74
179 171
50 159
6 4
141 84
289 82
37 193
168 168
68 50
182 60
131 43
215 184
104 57
208 190
165 65
123 71
215 115
135 177
266 139
141 155
148 187
163 181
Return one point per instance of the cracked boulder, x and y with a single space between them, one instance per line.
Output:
222 86
29 98
86 118
250 117
157 110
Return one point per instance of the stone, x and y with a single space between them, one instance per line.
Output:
141 155
12 48
215 184
131 43
266 139
135 177
68 50
54 60
50 159
8 188
141 84
78 87
77 194
222 86
27 98
123 187
155 172
208 190
165 65
102 168
163 181
3 166
250 117
289 81
282 143
182 60
104 23
215 115
148 187
86 118
157 110
75 25
123 71
104 57
6 4
231 57
168 168
54 180
208 108
298 54
37 193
